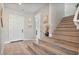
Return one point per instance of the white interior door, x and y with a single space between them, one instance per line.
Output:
16 27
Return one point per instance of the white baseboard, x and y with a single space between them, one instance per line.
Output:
50 35
6 42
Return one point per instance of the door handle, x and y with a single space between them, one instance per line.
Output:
22 30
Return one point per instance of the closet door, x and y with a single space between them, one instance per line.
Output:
37 21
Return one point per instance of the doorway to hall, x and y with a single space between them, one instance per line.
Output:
46 25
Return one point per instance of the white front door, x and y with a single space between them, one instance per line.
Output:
16 27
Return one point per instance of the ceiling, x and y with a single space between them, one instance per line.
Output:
25 7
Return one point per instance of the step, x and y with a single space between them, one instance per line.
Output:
59 47
63 41
66 42
67 38
66 26
70 33
73 27
65 23
70 20
62 45
66 34
67 20
69 29
50 49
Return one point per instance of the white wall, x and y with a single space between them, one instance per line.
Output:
69 9
5 29
28 32
56 12
0 30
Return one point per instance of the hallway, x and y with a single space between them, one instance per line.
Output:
64 42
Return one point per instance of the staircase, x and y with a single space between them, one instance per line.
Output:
64 40
67 33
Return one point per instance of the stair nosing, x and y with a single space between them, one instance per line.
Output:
66 35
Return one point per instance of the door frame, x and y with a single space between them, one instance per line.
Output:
38 27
